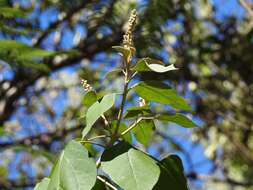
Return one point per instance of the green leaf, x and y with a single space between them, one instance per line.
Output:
43 185
89 98
12 51
141 66
12 30
132 170
54 183
74 170
2 131
125 52
10 12
122 127
143 131
172 174
148 64
136 111
114 151
96 110
179 119
113 73
161 93
161 69
3 3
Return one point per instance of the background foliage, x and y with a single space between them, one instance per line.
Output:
46 46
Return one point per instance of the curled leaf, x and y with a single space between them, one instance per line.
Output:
148 64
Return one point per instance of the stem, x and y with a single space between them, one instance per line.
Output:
121 110
134 125
91 142
98 137
106 183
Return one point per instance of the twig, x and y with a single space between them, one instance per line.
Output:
97 137
94 143
121 110
134 125
106 183
247 6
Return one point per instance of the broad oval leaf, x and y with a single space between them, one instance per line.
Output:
96 110
179 119
74 170
137 170
161 93
172 174
43 185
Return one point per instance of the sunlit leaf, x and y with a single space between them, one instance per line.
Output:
148 64
97 110
132 170
43 185
74 170
161 93
179 119
160 68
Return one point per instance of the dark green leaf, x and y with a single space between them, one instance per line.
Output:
161 93
122 127
132 170
143 131
10 12
14 52
141 66
133 112
12 30
99 185
172 174
114 151
89 98
179 119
